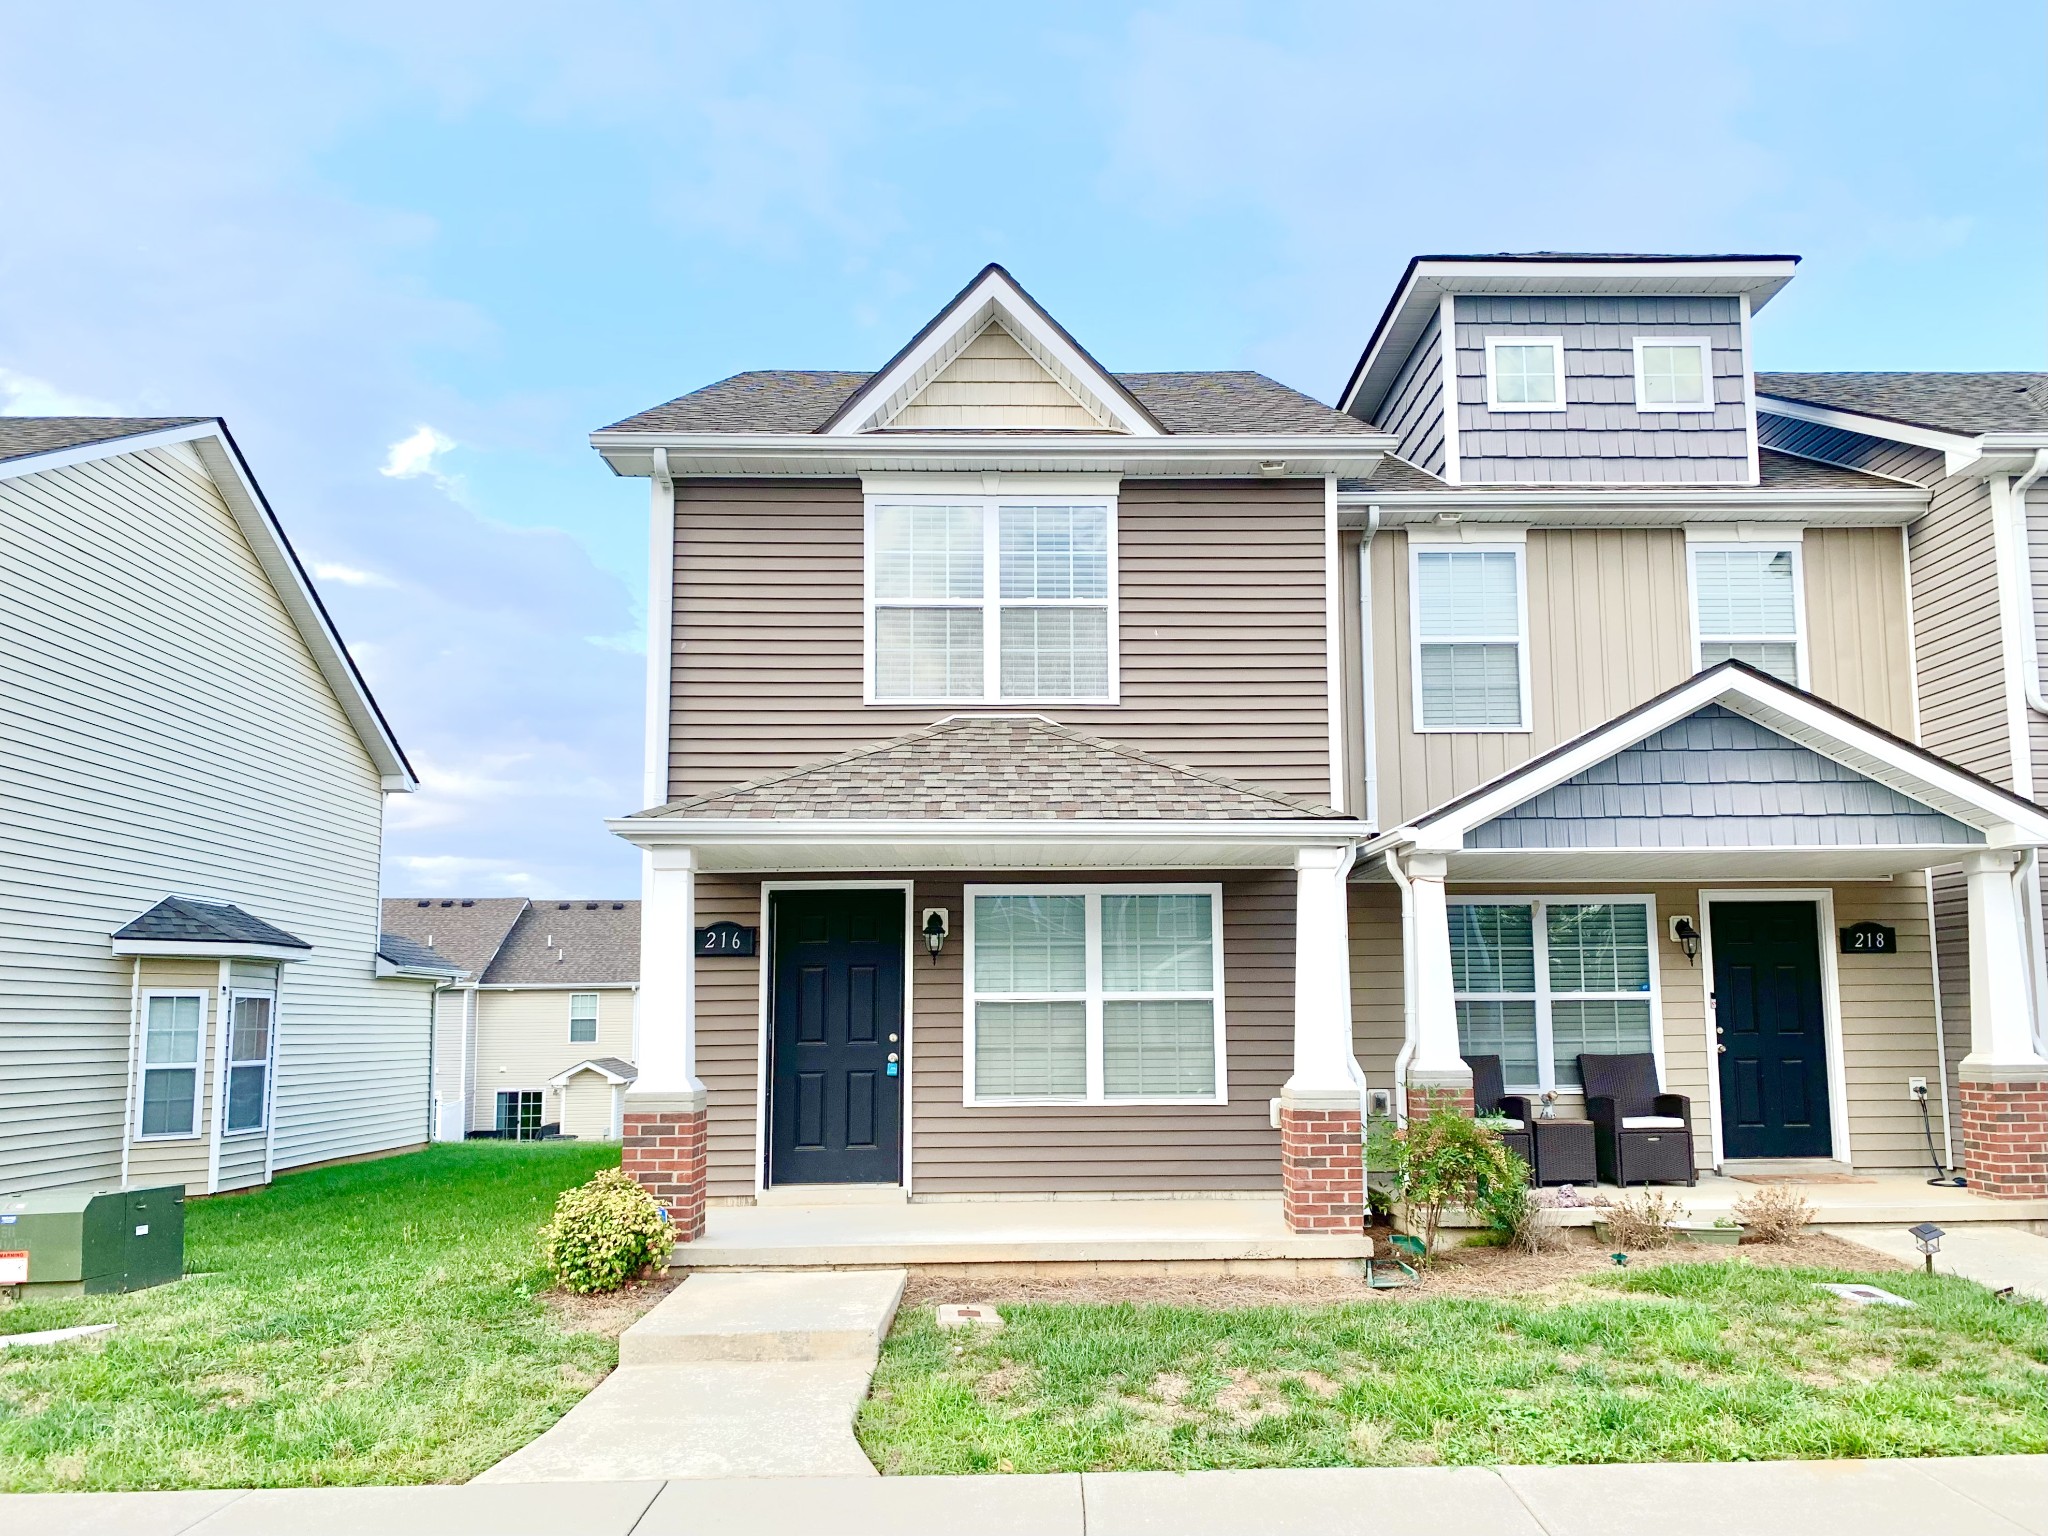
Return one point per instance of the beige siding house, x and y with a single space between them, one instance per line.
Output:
535 1034
1072 784
195 990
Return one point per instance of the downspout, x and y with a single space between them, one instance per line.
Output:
1407 1051
2027 877
1370 752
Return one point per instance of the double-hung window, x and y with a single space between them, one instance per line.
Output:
1470 638
251 1039
1525 373
1096 995
582 1018
991 600
1674 373
1746 607
173 1029
1540 982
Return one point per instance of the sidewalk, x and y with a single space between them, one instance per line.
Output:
1977 1496
1997 1256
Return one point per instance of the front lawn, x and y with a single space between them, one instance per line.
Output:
1679 1362
378 1322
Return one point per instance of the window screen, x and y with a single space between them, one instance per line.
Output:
249 1051
1747 603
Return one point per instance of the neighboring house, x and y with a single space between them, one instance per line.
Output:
193 986
1131 776
535 1034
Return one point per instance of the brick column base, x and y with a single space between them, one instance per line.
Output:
1322 1166
1423 1097
666 1152
2005 1132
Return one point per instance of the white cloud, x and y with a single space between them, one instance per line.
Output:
411 457
21 395
451 875
349 576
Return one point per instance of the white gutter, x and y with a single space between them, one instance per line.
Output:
1407 1051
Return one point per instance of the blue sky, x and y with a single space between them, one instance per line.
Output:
414 253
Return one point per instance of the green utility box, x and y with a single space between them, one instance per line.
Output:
87 1241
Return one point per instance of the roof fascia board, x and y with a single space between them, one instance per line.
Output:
721 455
1957 448
993 286
2000 817
389 968
561 1079
204 949
105 448
684 830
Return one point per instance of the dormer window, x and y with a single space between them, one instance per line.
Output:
1524 373
1674 373
991 600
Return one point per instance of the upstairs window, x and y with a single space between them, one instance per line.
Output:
1746 607
172 1026
1525 373
1674 373
1470 642
582 1018
991 601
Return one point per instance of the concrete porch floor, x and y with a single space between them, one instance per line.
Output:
1218 1234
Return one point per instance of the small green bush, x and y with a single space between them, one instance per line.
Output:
1445 1158
605 1233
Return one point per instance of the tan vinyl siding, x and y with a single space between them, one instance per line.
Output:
1610 625
1956 631
588 1108
1221 613
169 732
957 1150
522 1040
184 1159
994 384
1887 1006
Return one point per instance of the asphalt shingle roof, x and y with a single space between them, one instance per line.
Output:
1946 402
570 944
995 768
801 400
1775 472
182 920
467 933
24 436
401 951
610 1064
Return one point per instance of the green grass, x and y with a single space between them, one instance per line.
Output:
1686 1362
379 1322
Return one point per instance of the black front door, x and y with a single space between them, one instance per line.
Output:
835 1101
1772 1032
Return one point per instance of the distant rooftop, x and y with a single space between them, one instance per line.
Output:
1966 403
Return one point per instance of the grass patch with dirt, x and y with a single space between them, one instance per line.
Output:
377 1322
1687 1361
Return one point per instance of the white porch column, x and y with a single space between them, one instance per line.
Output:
1324 1068
665 1020
1437 1062
2001 1017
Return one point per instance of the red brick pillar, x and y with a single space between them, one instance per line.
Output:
1322 1163
666 1152
1436 1092
2005 1130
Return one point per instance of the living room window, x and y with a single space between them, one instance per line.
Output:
1095 994
173 1027
991 600
1747 606
1469 635
1540 981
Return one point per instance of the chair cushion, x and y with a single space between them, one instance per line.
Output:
1509 1123
1652 1123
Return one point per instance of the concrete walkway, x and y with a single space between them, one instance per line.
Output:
1997 1256
729 1376
1989 1496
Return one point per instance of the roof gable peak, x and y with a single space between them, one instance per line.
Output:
1085 396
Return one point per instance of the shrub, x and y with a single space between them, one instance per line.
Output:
1446 1158
1644 1221
604 1233
1516 1218
1774 1214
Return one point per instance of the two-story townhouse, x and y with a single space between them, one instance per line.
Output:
194 988
1065 782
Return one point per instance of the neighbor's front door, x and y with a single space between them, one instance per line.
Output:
1771 1029
836 1007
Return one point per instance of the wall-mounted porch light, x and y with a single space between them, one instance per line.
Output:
1686 937
936 925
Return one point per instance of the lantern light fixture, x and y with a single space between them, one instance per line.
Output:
937 923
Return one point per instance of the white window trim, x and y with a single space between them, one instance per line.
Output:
1095 997
1416 549
143 1067
1705 347
1546 1064
1522 407
991 602
229 1061
1778 544
596 1016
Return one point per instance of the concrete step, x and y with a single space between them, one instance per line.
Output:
767 1317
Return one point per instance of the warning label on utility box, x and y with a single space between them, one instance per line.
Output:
13 1269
